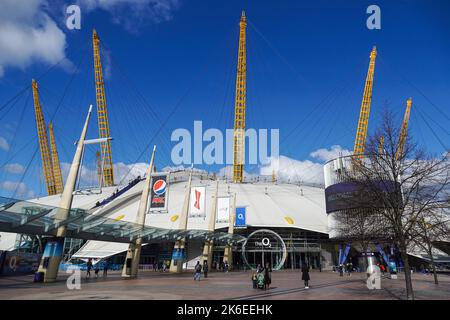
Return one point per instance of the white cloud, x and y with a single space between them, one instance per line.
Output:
123 173
305 171
14 168
4 145
20 189
288 169
329 154
28 34
134 13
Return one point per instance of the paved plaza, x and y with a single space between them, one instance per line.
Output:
233 285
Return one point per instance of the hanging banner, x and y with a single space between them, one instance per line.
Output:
240 221
158 193
345 254
383 254
223 209
197 202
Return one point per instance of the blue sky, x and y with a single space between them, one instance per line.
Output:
307 62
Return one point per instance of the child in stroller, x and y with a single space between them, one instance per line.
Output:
260 280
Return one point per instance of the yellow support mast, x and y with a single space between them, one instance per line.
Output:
404 131
55 161
239 106
102 114
361 131
43 142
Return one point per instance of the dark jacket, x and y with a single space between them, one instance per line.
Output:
305 273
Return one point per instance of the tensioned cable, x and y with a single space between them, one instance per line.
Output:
414 87
432 130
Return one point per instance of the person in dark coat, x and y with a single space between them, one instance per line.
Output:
105 268
305 275
205 268
267 276
89 267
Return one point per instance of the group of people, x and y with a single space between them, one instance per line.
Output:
262 278
199 268
345 268
89 266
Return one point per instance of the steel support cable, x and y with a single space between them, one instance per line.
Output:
431 119
25 172
11 107
446 148
414 87
161 127
13 140
282 58
25 88
329 132
135 120
131 85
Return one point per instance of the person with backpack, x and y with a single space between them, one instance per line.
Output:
198 271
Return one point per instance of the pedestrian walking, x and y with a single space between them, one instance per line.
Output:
205 268
254 280
349 269
225 267
97 269
197 271
341 270
305 275
105 268
89 267
267 276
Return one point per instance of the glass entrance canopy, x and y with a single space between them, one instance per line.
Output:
26 217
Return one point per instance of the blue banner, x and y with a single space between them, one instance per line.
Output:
343 257
179 254
383 254
240 221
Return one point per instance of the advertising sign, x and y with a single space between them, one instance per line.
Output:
18 262
223 209
197 202
351 195
178 254
53 248
240 221
158 193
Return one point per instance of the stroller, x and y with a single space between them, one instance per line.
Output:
260 281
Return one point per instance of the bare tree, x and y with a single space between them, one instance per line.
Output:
359 226
431 228
400 185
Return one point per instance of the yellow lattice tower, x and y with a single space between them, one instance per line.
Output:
102 114
239 106
55 161
361 131
404 130
43 142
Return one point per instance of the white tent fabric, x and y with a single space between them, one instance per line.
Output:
267 205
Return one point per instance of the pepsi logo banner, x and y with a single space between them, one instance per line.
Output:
158 193
197 202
